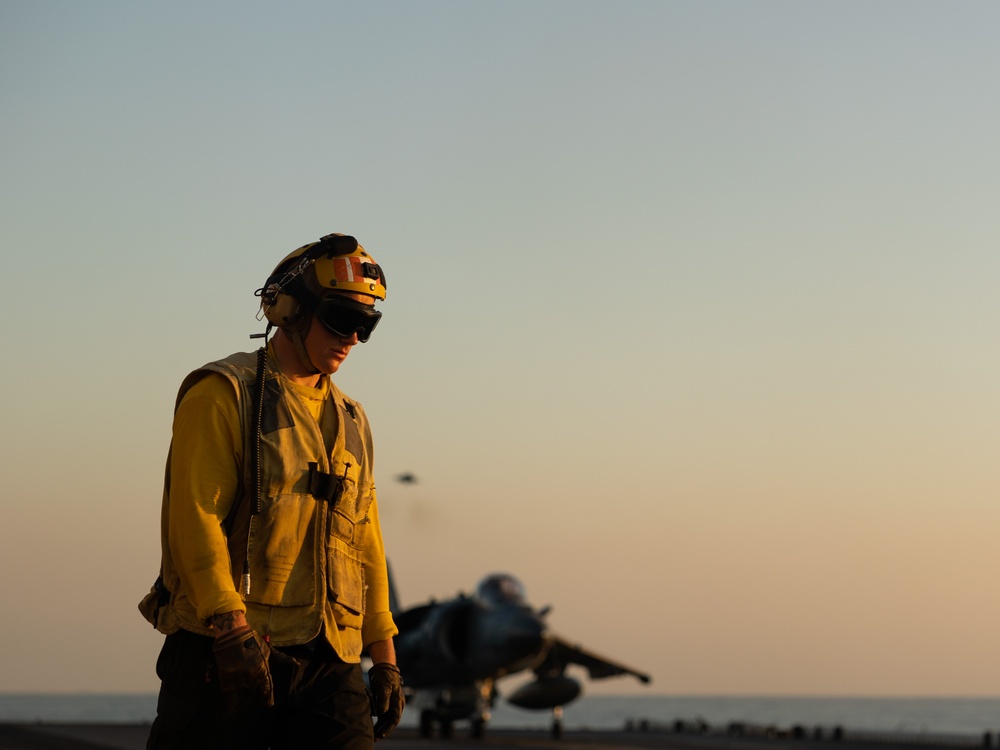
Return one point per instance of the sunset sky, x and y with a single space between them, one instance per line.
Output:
691 320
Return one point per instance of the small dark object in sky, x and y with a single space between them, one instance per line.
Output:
406 478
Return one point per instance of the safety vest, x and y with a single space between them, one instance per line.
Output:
304 548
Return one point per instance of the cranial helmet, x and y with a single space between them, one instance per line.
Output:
336 263
311 278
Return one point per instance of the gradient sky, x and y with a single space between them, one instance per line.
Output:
691 319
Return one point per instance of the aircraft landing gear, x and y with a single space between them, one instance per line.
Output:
478 728
426 724
557 726
487 694
427 719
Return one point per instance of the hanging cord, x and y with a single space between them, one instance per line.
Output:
255 469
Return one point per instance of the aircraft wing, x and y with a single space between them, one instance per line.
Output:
562 653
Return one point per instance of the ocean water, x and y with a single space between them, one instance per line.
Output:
932 716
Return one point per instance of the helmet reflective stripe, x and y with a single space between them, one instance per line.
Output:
344 269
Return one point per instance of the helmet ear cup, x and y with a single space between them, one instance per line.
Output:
281 309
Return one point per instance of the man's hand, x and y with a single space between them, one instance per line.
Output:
387 697
242 661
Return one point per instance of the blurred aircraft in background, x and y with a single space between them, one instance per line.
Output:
452 653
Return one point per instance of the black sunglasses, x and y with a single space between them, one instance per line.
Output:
344 316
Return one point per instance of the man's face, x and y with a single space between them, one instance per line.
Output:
326 349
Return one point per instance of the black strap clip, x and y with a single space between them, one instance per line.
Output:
323 486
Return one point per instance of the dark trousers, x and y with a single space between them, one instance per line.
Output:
319 702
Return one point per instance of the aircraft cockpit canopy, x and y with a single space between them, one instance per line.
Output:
501 589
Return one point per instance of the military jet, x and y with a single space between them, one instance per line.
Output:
452 653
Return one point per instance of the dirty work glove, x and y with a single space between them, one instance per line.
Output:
242 661
387 697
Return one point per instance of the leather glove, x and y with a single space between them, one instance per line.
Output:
242 661
387 697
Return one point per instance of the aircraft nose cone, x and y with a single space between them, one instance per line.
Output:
505 641
525 635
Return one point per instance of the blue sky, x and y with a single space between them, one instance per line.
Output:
690 320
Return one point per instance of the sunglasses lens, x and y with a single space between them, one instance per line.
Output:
344 317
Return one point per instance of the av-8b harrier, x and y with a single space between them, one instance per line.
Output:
452 654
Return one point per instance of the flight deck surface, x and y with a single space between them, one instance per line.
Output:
56 736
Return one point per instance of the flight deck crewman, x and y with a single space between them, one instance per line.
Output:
273 577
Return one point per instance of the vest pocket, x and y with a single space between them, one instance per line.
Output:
348 517
283 557
345 577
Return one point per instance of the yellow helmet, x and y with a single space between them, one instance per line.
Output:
336 263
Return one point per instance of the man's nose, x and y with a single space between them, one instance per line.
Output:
352 339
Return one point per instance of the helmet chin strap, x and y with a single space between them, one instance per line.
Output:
300 348
297 333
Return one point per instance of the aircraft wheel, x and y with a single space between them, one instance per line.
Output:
446 728
478 728
557 729
426 724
